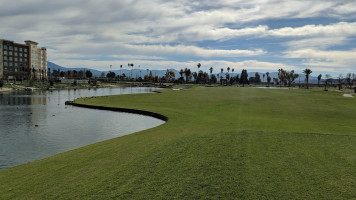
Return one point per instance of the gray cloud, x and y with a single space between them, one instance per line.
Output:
73 29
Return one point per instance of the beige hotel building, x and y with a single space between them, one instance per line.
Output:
22 61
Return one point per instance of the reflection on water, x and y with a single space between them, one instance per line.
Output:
35 125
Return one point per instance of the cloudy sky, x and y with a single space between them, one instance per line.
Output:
257 35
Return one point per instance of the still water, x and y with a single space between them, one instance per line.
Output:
35 125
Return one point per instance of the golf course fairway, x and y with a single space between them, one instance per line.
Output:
218 143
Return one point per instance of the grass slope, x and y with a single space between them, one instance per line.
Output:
219 143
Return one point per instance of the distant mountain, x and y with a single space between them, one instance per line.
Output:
142 72
54 66
135 72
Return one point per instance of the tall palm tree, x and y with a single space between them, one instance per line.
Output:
187 73
307 72
120 70
228 73
195 75
268 79
319 78
132 65
211 71
198 66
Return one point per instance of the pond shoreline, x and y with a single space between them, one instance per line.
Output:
13 87
126 110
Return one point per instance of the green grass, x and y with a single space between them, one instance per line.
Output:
219 143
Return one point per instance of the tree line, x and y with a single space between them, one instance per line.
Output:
285 78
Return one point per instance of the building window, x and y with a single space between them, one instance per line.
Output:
10 69
25 60
21 54
15 69
15 48
11 48
10 53
25 50
16 64
5 69
10 58
15 59
5 57
10 64
20 49
5 46
5 63
5 52
25 55
21 59
15 54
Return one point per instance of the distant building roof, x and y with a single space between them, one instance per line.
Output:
31 42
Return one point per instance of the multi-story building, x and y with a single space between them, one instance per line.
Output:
22 61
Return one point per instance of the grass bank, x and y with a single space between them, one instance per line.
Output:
219 143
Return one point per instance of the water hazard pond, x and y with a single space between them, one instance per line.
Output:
35 125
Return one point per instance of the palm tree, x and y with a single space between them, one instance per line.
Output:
181 72
319 78
307 72
228 73
232 75
187 73
211 70
195 75
120 71
268 79
132 65
198 66
282 75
